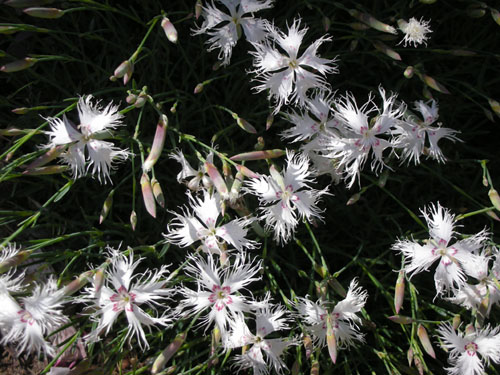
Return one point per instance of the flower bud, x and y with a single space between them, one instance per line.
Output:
14 260
331 341
99 277
20 111
49 13
456 321
141 100
50 155
158 143
169 29
18 65
199 88
125 70
425 341
372 22
131 98
408 73
106 207
494 198
147 195
315 367
50 169
409 356
399 292
259 146
401 319
354 198
158 192
495 106
217 179
326 23
166 354
258 155
432 83
495 14
133 220
78 283
245 125
197 9
246 171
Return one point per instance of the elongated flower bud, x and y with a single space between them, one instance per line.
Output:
372 22
14 260
158 192
166 354
456 321
158 143
49 13
353 199
169 29
331 341
131 98
198 88
399 292
308 345
147 195
50 169
431 82
133 219
197 9
50 155
258 155
315 367
425 341
16 66
401 319
217 179
336 286
408 73
125 70
385 49
494 198
495 106
246 171
106 207
409 356
78 283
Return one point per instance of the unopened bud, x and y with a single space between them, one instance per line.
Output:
50 155
169 29
260 144
133 220
401 319
18 65
173 109
372 22
21 110
495 106
125 70
131 98
245 125
326 23
331 340
408 73
308 345
259 155
197 9
199 88
315 367
49 13
158 192
418 365
269 121
158 144
354 198
141 100
50 169
106 207
169 351
494 198
246 171
399 292
409 356
476 12
456 321
78 283
425 341
14 260
217 179
147 195
99 277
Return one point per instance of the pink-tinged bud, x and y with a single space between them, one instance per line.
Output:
199 88
495 106
158 143
21 110
147 195
259 146
425 341
295 367
456 321
50 155
484 306
50 169
125 70
432 83
49 13
106 207
494 198
27 3
314 367
246 172
258 155
14 261
269 121
358 26
10 132
386 50
408 73
399 292
372 22
9 29
217 179
409 356
141 100
168 353
78 283
401 319
113 78
336 286
493 215
16 66
308 345
419 366
99 277
133 220
469 329
245 125
320 290
169 29
495 14
131 98
354 198
331 341
226 169
326 23
158 192
197 9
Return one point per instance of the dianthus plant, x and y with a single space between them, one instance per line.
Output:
201 225
218 289
225 29
456 258
289 195
286 75
122 291
340 323
95 124
264 353
469 350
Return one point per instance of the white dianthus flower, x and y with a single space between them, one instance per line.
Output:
415 31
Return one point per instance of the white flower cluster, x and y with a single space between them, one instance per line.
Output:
459 260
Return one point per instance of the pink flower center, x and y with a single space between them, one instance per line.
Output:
220 297
471 349
447 254
286 196
123 300
26 317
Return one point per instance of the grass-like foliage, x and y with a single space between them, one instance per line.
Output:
251 186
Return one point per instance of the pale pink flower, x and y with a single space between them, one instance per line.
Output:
124 291
285 197
468 351
285 75
193 178
456 258
202 225
219 289
85 142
